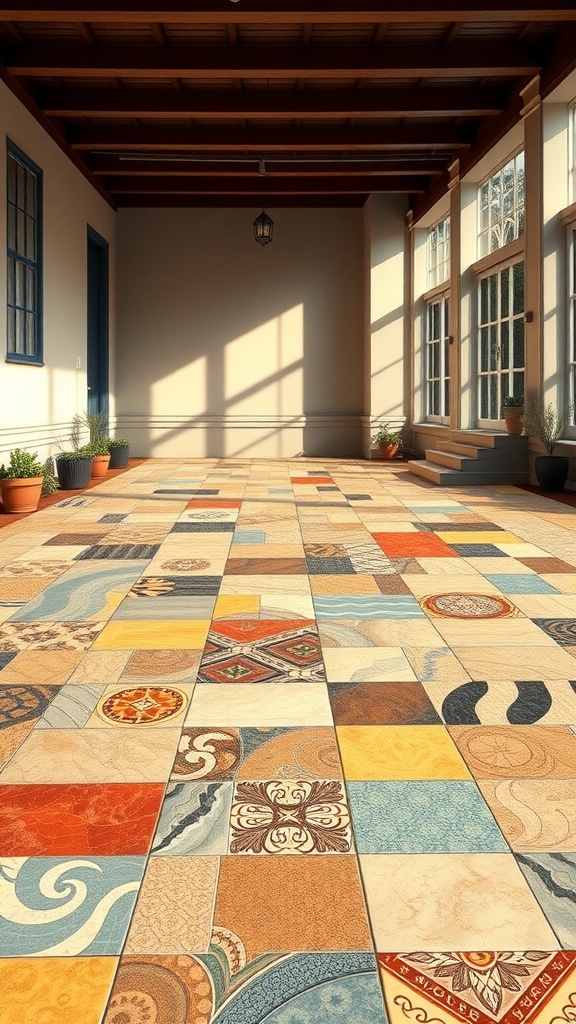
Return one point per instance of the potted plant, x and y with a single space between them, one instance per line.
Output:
74 469
119 452
388 441
548 426
100 452
21 481
513 414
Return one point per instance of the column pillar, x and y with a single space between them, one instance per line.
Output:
454 325
533 211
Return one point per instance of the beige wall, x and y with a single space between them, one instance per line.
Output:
37 403
229 348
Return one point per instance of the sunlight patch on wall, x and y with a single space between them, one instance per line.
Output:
263 369
184 390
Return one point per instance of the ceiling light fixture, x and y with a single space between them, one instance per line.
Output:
263 229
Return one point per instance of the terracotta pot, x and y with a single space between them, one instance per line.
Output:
21 494
387 450
100 465
514 416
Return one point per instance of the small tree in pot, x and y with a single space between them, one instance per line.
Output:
549 426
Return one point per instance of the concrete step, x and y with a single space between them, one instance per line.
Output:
470 450
452 461
489 439
446 477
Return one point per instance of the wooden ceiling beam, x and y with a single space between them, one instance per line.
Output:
256 202
264 139
112 164
334 62
190 12
263 185
315 103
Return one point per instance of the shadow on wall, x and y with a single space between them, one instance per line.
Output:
227 348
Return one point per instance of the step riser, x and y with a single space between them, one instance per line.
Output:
493 459
450 478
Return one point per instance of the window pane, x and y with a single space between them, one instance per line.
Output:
483 349
20 233
447 397
493 347
493 294
436 398
12 228
518 385
518 353
23 287
504 345
11 171
501 205
505 293
484 398
30 204
518 288
494 413
30 238
484 300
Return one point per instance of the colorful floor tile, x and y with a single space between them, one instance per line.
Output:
177 845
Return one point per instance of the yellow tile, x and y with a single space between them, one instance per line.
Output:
232 605
155 635
399 752
63 989
480 537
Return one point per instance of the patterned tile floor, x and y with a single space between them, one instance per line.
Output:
288 742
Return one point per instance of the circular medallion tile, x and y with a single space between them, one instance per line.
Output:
141 705
468 606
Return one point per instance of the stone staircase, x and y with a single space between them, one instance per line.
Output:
475 457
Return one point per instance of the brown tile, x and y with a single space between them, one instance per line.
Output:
381 704
279 904
391 584
261 566
41 667
62 539
516 751
547 565
162 667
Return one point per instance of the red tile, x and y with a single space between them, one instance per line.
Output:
51 820
214 503
252 630
311 480
413 545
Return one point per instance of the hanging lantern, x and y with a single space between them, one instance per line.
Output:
263 229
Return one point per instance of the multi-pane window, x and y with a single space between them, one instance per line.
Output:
24 291
501 202
572 152
501 339
438 359
438 253
572 317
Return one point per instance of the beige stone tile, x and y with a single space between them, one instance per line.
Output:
447 566
41 667
493 632
93 755
505 662
565 582
174 909
366 664
495 566
260 705
100 667
452 902
469 583
271 584
546 606
535 815
437 663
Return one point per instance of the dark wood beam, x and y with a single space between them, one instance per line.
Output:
263 185
112 164
256 202
285 104
127 138
561 62
383 62
190 12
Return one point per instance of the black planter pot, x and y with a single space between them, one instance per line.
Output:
74 474
551 471
119 457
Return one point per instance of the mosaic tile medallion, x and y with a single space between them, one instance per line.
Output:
142 705
290 816
468 606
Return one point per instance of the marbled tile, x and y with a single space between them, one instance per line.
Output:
447 901
431 664
80 820
381 704
505 752
163 634
82 594
535 815
366 664
422 817
382 632
102 667
53 667
43 914
287 753
163 667
507 662
194 820
502 702
259 704
279 904
71 707
398 752
552 878
93 755
62 989
162 922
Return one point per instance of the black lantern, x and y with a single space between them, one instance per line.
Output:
263 229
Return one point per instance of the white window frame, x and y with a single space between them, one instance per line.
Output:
437 297
438 269
489 271
572 152
571 320
514 213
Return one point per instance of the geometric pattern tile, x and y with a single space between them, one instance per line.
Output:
253 651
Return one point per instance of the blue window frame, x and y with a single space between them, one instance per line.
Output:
24 244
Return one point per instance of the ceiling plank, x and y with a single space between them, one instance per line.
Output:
263 185
264 138
256 202
382 62
112 164
317 103
344 12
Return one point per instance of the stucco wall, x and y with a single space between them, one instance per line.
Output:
229 348
37 403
